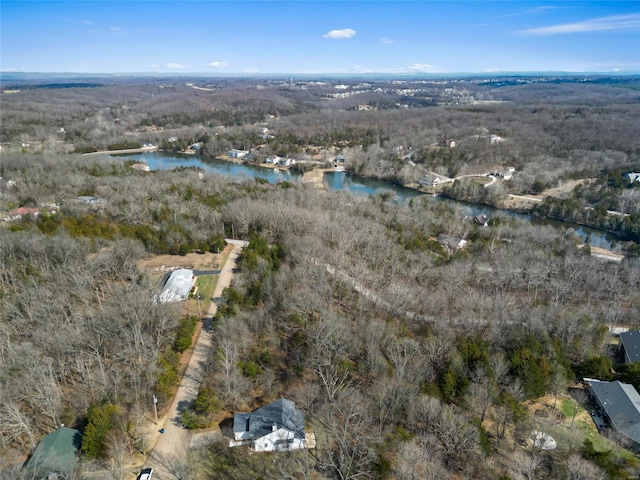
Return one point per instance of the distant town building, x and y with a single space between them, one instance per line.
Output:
95 201
450 243
632 177
233 153
18 213
482 220
430 180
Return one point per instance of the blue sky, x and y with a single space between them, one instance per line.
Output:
302 37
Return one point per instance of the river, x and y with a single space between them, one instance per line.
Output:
341 181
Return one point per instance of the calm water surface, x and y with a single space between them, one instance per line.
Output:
341 181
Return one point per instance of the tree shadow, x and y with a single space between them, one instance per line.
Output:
226 427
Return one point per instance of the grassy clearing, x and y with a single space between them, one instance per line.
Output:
584 428
206 284
238 463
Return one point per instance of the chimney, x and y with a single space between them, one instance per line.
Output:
274 427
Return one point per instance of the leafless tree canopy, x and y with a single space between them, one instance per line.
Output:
410 361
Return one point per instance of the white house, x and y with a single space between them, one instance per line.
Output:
177 287
233 153
286 162
277 427
430 180
450 243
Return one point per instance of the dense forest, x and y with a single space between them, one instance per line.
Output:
550 131
410 360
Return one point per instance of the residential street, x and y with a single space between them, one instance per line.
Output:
169 454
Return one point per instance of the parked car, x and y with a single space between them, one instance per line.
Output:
146 474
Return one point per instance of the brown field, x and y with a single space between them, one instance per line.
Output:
195 261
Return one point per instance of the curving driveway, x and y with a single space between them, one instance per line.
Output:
169 455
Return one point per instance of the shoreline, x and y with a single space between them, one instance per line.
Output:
315 178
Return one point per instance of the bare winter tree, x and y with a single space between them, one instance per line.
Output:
580 469
347 451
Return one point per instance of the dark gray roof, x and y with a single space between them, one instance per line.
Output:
621 403
631 344
260 422
55 453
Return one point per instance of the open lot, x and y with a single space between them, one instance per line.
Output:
161 264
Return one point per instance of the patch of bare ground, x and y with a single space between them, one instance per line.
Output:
520 202
196 261
567 186
314 177
604 253
545 410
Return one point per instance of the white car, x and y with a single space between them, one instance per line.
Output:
146 474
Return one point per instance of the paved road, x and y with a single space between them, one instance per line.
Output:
170 450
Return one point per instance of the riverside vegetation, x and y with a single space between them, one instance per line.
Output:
410 360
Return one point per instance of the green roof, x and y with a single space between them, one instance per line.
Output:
55 453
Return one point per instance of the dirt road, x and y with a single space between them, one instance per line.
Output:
128 150
169 454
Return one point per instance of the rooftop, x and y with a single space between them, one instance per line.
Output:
55 453
260 422
621 403
177 287
630 342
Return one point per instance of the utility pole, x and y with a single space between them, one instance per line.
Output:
155 407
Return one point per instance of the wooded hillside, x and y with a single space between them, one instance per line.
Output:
411 358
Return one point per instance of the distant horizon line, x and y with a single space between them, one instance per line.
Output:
501 73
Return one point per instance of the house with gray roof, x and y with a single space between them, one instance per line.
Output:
632 177
55 456
620 404
630 346
277 427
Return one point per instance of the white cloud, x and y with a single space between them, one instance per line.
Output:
12 69
340 34
86 22
412 69
386 40
252 70
421 67
218 64
533 11
115 29
613 22
175 66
